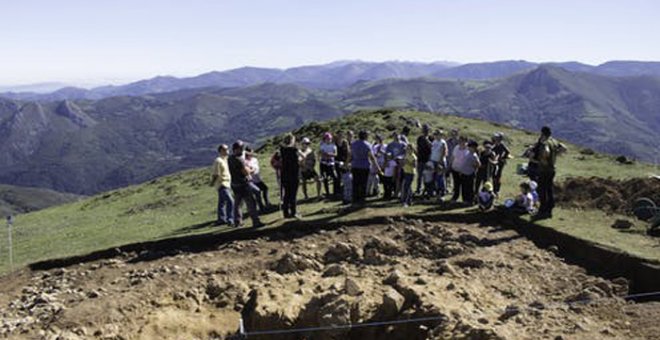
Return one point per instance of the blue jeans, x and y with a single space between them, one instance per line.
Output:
407 193
225 206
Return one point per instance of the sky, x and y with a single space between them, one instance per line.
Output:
95 42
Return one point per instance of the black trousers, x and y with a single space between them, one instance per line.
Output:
546 191
328 173
360 178
388 187
497 178
463 186
264 193
289 193
339 171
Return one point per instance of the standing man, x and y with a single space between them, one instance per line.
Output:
547 149
308 164
328 151
362 158
221 180
423 155
340 160
503 153
291 159
452 142
240 176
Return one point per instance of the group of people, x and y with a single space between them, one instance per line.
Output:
358 169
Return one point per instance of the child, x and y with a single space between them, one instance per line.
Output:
524 203
388 176
429 179
486 197
347 182
409 170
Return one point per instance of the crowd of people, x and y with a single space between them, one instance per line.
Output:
351 169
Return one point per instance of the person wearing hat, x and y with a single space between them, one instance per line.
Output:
424 147
486 197
240 176
290 173
545 153
307 171
221 180
502 151
328 151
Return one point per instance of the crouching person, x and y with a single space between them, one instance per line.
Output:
486 197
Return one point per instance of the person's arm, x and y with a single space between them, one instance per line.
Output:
374 161
214 173
477 162
506 153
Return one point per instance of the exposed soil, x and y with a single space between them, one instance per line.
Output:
616 196
475 282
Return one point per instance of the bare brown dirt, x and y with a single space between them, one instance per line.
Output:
475 282
616 196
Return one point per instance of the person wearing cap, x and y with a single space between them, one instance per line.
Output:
240 176
488 163
424 147
486 197
362 158
221 180
291 159
545 153
464 167
503 153
308 165
328 151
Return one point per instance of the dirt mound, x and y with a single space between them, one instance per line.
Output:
463 281
616 196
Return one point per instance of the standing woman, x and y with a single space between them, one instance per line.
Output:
290 172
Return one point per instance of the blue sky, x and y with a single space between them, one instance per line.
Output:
100 41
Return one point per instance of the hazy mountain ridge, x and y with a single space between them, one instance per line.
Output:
14 200
335 75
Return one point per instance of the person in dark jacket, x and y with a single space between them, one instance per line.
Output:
423 154
503 154
240 175
290 175
545 153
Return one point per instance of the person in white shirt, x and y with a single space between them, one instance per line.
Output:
260 196
328 151
439 153
464 167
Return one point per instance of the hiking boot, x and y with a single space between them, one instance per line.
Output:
259 224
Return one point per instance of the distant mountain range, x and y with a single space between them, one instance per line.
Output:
335 75
85 146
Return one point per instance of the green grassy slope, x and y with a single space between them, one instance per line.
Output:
15 200
182 203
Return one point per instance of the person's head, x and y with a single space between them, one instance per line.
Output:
426 128
473 145
410 148
363 134
249 152
546 132
289 139
533 185
237 147
395 137
487 144
405 131
439 134
462 140
379 138
497 137
327 137
525 188
223 149
350 135
306 142
454 133
339 136
488 186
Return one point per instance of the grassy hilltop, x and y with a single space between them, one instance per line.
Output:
183 204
